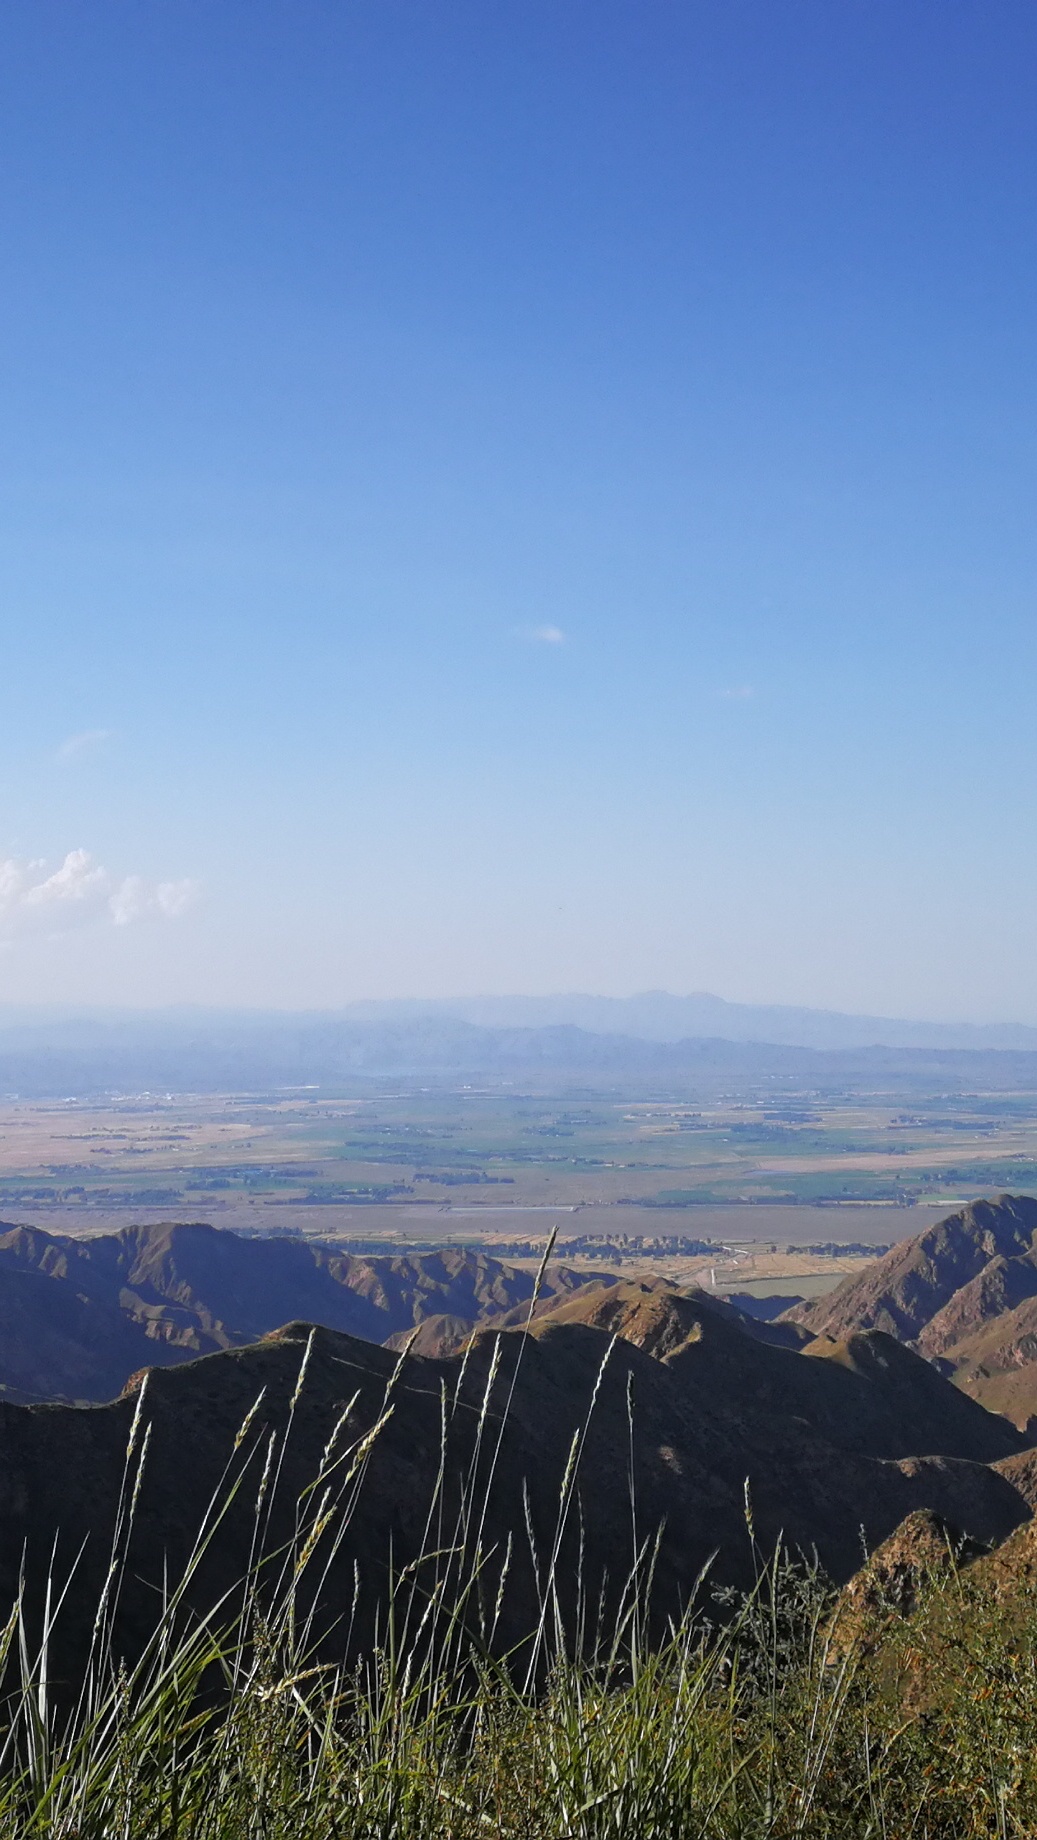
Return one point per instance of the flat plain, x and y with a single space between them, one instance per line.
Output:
776 1195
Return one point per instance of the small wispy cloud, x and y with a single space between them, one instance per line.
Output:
90 741
737 693
81 892
542 635
135 899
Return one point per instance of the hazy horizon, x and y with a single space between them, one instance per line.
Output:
492 1009
524 499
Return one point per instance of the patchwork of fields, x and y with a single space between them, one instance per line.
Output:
791 1193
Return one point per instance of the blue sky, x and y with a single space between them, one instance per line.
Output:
519 497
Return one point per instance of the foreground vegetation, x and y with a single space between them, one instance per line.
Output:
758 1731
755 1716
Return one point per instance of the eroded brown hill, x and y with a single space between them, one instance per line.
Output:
667 1445
998 1289
902 1292
964 1294
867 1394
78 1317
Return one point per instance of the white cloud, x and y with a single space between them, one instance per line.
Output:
136 899
81 891
544 635
89 742
738 693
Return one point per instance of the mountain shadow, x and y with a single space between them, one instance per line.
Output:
536 1465
79 1316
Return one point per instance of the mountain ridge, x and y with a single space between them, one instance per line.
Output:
664 1454
963 1293
213 1052
78 1316
658 1016
664 1017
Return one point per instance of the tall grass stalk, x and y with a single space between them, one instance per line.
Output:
746 1724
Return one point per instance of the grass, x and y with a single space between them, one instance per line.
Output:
748 1720
757 1730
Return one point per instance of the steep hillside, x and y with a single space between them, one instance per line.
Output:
664 1449
868 1394
999 1288
77 1317
1004 1386
964 1294
639 1303
903 1292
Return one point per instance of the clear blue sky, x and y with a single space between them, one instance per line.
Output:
519 496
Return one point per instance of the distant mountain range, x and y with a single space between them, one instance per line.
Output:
656 1015
699 1042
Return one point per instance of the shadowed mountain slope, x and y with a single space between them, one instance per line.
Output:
661 1451
867 1394
1021 1472
78 1316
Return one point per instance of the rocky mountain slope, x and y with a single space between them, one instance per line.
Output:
79 1316
674 1420
933 1606
963 1293
905 1291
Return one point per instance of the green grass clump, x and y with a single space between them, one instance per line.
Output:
756 1729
